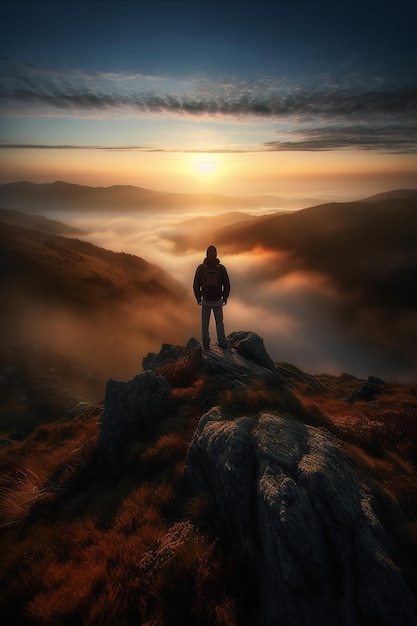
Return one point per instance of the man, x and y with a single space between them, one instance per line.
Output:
211 289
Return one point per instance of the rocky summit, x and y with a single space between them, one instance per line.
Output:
215 488
299 519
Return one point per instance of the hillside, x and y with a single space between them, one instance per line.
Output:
72 314
38 222
73 271
216 488
365 252
397 194
60 196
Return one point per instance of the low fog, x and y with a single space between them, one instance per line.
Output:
302 315
61 355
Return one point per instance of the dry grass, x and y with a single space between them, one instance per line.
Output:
263 394
380 437
79 546
388 423
180 373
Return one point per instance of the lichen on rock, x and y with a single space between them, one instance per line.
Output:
296 516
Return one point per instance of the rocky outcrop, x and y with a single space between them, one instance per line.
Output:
304 531
299 522
131 409
168 354
245 359
251 346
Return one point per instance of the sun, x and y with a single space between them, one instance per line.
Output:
204 165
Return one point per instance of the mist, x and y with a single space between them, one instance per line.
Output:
108 342
304 316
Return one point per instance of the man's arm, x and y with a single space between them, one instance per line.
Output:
226 282
198 281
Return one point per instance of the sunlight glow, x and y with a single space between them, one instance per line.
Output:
204 165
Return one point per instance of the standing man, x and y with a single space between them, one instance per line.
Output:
211 289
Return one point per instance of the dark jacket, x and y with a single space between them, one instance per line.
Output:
198 278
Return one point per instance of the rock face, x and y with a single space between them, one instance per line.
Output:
131 408
299 522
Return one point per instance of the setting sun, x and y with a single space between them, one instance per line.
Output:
204 165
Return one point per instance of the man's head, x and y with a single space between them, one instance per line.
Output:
211 252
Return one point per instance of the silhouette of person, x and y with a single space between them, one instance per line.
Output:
211 289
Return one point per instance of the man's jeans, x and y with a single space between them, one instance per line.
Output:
205 319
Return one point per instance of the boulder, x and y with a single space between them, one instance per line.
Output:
299 522
130 409
251 346
369 390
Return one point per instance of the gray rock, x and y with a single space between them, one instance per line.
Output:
230 364
251 346
167 354
299 521
369 390
130 409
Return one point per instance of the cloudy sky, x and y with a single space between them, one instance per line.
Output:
285 98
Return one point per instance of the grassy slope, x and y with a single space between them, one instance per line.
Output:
65 299
74 270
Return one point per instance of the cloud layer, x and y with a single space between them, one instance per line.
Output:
318 115
306 316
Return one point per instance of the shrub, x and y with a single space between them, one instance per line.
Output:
27 488
179 373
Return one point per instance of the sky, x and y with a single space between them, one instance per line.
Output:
298 98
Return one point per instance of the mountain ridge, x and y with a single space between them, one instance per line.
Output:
61 195
363 252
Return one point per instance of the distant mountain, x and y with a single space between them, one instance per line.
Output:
37 222
62 196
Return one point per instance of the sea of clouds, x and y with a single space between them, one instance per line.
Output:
302 316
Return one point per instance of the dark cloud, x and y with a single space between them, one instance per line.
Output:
397 138
378 115
306 102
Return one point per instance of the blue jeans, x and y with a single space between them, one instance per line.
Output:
206 310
